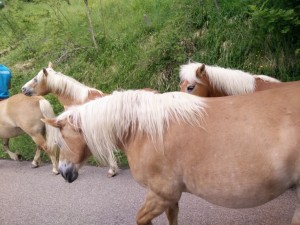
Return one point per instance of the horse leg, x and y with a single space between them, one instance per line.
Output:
296 217
37 158
113 167
41 143
12 155
112 172
155 205
172 213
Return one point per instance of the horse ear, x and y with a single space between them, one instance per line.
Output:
45 72
53 122
76 127
200 71
50 65
202 68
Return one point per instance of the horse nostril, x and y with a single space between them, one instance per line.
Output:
71 176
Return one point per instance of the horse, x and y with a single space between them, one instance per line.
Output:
68 91
20 114
237 152
213 81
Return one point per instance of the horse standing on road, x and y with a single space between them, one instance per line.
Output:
213 81
69 91
237 152
20 114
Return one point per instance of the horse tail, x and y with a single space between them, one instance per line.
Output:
51 131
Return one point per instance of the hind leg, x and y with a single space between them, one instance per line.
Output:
6 149
296 217
155 205
41 143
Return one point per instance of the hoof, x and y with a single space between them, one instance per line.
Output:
19 157
109 175
55 171
16 157
34 165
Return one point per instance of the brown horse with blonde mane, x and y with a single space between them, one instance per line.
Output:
20 114
237 152
213 81
69 91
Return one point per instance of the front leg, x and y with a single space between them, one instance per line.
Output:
37 158
172 214
113 167
155 205
112 171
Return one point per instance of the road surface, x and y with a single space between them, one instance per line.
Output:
38 197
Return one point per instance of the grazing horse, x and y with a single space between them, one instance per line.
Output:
237 152
212 81
20 114
68 90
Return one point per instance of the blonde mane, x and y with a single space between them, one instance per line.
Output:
231 81
107 121
65 85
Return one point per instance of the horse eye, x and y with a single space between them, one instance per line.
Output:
190 88
35 80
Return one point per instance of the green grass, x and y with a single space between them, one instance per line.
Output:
134 52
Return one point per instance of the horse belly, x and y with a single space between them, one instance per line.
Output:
10 132
8 127
233 175
237 187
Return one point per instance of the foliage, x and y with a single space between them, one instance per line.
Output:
142 43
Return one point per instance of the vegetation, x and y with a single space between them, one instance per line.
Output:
142 43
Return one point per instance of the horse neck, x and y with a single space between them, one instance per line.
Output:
71 92
214 92
261 84
67 101
211 90
224 82
94 93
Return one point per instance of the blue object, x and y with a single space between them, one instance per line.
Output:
5 77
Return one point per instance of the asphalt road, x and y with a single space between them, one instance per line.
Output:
38 197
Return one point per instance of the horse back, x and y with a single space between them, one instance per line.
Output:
21 109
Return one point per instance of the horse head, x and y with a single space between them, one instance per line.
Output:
195 81
73 148
38 84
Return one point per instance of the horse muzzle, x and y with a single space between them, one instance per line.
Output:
68 171
26 91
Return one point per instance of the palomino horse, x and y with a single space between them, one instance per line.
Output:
21 114
239 151
68 90
212 81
